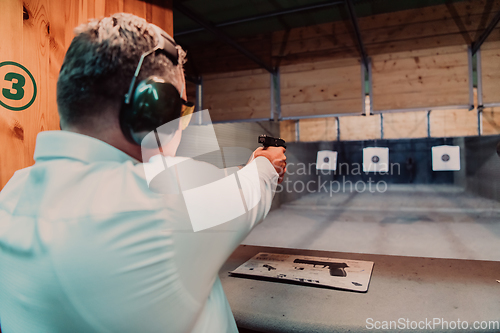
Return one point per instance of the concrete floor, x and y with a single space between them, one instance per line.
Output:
406 220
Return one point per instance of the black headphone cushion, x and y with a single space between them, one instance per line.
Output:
153 103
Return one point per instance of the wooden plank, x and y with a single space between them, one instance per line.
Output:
321 85
451 24
345 43
100 8
350 75
444 26
435 26
219 57
323 92
315 89
252 104
287 130
236 83
27 44
437 51
63 18
12 145
244 73
360 128
83 14
318 129
36 52
491 121
237 112
390 49
405 125
161 16
458 12
432 81
39 43
113 6
466 25
237 96
491 43
318 65
490 62
135 7
321 108
429 42
341 41
453 123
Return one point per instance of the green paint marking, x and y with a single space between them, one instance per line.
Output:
18 82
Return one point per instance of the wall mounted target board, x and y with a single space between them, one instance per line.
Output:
326 160
375 159
446 158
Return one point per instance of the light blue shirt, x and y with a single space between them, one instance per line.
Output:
86 246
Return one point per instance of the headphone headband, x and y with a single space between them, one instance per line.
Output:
166 45
152 102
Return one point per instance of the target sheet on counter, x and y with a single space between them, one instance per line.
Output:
319 271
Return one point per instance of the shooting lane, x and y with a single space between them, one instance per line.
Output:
404 85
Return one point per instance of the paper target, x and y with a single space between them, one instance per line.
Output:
445 158
375 159
326 160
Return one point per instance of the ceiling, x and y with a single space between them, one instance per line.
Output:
224 11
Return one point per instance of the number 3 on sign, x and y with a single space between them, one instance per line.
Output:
17 86
17 92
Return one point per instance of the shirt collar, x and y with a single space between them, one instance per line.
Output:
64 144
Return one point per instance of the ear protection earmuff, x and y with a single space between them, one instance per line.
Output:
151 102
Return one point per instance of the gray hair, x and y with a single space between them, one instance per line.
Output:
100 63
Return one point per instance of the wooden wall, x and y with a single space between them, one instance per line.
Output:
38 41
421 79
238 95
402 125
451 24
325 128
405 125
450 123
419 59
219 57
317 88
318 129
360 128
490 61
287 130
491 121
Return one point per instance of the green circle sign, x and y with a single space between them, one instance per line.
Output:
17 86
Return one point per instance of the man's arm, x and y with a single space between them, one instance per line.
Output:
201 254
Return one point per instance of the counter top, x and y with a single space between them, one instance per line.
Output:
402 290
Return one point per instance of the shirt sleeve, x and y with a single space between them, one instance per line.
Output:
200 255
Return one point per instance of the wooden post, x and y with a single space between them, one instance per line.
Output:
34 39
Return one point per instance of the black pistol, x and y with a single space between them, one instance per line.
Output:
269 141
336 269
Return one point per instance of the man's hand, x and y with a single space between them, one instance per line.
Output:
276 155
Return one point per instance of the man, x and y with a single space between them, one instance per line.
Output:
85 245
